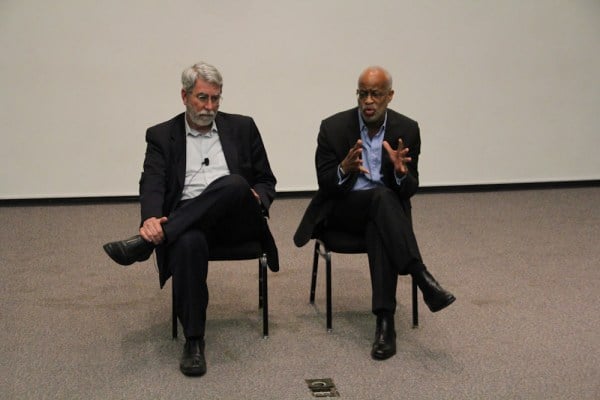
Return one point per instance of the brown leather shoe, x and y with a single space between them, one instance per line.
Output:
192 361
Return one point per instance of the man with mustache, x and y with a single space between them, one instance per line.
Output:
366 163
206 179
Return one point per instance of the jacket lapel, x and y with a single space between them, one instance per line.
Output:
228 144
392 131
353 128
178 141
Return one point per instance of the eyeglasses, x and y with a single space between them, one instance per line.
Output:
375 95
204 98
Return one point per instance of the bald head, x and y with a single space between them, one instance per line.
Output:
376 75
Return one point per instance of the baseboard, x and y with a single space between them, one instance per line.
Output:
495 187
59 201
309 193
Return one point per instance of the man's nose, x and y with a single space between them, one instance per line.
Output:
210 105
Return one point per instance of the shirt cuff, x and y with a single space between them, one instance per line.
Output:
341 177
399 179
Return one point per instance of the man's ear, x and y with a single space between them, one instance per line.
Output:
184 96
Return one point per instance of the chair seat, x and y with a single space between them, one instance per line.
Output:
343 242
241 251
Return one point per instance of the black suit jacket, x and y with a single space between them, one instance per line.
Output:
162 180
337 135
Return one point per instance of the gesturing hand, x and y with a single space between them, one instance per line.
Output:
353 160
398 157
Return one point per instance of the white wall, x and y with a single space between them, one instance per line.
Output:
505 91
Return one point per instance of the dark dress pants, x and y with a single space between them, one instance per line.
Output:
391 244
226 211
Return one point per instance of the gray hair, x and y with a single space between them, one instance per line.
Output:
202 71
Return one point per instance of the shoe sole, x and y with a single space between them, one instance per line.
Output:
192 372
381 358
444 305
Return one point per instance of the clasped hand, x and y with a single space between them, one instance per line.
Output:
151 230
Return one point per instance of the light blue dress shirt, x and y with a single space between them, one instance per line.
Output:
371 156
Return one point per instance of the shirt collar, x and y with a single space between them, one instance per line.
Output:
192 132
363 127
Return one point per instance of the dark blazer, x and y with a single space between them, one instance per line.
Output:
162 180
337 135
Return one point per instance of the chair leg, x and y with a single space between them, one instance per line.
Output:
265 294
415 304
174 313
326 254
313 282
260 284
328 288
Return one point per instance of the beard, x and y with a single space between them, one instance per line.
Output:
202 118
375 117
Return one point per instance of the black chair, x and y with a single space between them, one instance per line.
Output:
244 251
328 241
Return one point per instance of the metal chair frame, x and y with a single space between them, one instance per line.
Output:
263 294
322 250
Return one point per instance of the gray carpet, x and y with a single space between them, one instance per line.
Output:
524 266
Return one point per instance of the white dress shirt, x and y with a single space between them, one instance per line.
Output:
204 162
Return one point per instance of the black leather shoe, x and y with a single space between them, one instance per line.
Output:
435 296
192 361
384 345
128 251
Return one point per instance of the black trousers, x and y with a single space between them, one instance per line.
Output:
392 248
226 211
